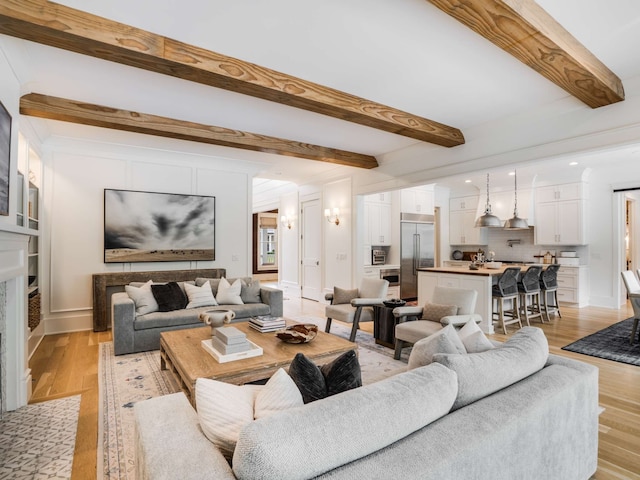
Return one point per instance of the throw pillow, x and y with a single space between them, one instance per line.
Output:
143 298
315 382
341 295
169 296
342 374
229 294
308 378
443 341
225 409
473 338
214 282
279 393
250 292
435 311
199 296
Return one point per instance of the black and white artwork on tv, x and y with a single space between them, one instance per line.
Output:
158 227
5 157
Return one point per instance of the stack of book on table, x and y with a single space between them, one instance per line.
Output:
267 323
229 343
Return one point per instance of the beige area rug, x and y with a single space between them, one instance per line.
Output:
127 379
38 440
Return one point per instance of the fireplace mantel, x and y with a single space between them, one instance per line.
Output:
15 375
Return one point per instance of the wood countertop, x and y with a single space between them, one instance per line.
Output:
486 272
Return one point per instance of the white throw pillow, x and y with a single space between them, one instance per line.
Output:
143 298
473 338
279 393
224 409
443 341
200 296
229 294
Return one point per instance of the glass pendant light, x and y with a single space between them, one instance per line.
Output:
516 223
488 219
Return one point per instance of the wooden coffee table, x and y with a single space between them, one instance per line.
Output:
182 353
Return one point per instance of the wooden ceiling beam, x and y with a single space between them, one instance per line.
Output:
526 31
54 108
63 27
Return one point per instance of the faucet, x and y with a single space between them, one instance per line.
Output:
512 242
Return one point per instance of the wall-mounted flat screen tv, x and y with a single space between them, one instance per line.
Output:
158 227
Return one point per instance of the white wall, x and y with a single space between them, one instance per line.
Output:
76 174
289 255
338 252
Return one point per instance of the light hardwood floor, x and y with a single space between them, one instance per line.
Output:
67 364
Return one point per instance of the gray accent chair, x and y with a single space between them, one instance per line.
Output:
372 292
412 331
633 291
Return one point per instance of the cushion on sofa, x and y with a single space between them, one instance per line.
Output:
445 340
342 295
200 296
250 291
435 311
143 298
481 374
224 409
229 293
169 296
337 376
473 338
306 442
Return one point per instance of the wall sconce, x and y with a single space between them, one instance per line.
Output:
286 222
332 218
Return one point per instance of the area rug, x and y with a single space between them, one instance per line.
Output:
127 379
611 343
38 440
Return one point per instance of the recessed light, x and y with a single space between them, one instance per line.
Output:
573 163
511 174
467 181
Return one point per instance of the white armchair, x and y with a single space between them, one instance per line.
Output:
412 331
372 292
633 291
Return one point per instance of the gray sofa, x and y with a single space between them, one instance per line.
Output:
432 422
138 333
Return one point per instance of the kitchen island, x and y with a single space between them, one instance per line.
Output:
480 280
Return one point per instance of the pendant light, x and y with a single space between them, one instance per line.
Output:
488 219
516 223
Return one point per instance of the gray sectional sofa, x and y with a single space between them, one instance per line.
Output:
138 333
510 413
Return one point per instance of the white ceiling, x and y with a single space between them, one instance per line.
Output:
403 53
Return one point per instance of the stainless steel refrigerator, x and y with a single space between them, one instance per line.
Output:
417 239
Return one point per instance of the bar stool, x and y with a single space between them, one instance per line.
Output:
506 289
549 284
529 288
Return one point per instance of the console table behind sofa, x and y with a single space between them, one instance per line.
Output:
106 284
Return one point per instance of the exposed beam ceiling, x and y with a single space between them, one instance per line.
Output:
63 27
526 31
65 110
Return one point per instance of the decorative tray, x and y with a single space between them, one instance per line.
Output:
254 351
394 303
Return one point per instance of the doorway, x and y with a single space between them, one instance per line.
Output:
311 250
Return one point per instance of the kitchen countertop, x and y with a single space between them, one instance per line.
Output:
487 272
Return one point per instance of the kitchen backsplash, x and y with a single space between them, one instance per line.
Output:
525 250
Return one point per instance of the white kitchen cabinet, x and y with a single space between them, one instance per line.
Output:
555 193
463 203
560 222
462 229
573 286
417 200
378 224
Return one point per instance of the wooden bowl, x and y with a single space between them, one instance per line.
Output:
299 333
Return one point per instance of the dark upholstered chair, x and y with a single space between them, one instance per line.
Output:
507 289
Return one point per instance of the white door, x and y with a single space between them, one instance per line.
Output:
311 250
